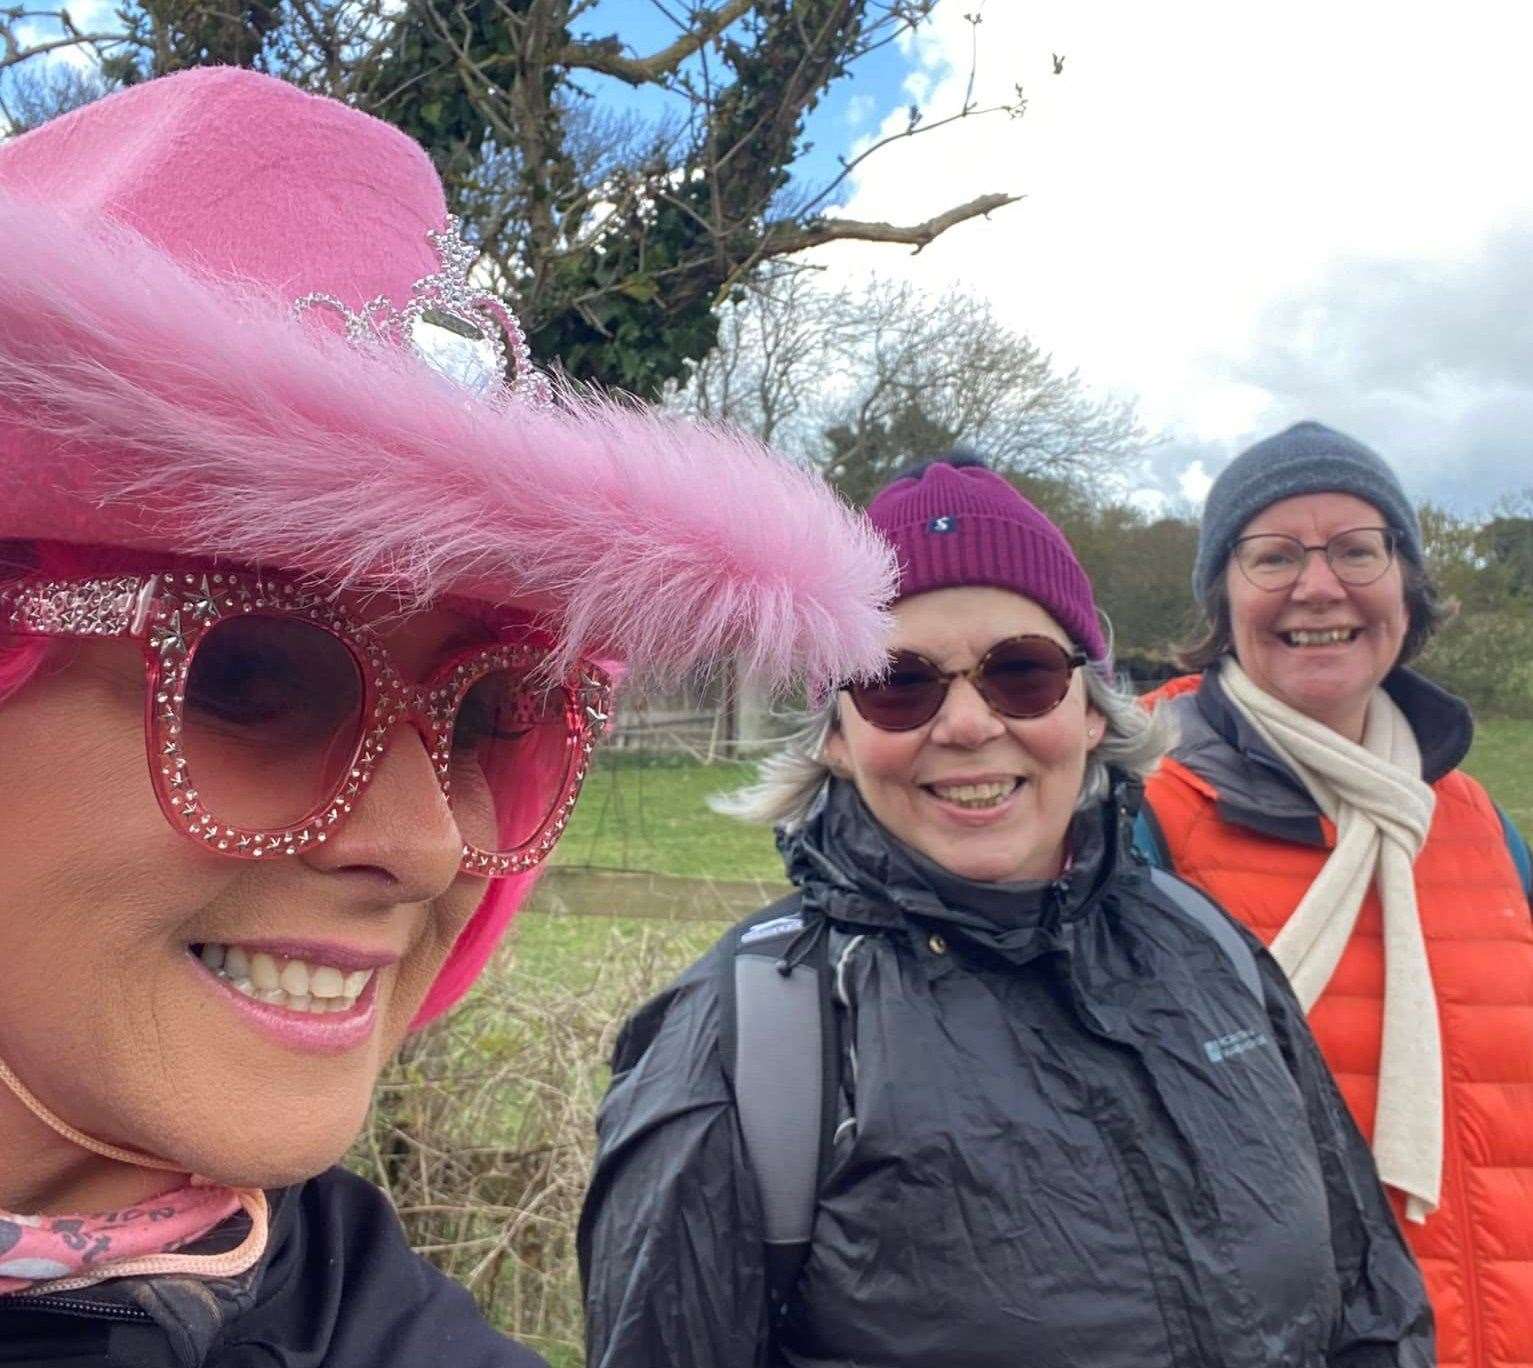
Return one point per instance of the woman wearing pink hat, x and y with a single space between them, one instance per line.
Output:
1052 1109
301 619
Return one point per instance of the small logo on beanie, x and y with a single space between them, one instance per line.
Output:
946 523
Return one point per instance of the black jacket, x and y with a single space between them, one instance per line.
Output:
1079 1142
337 1288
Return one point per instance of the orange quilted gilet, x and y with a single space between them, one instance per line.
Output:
1477 1249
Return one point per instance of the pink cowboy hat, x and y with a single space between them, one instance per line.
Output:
211 286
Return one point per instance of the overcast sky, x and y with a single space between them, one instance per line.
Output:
1240 214
1245 215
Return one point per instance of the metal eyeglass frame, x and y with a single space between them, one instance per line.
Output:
1307 551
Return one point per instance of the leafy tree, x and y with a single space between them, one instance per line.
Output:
619 237
1508 544
1486 653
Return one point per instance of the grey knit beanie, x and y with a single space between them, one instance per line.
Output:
1308 458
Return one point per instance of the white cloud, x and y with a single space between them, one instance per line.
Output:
1194 482
1197 167
859 109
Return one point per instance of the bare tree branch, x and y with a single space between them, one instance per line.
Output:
621 245
15 54
784 240
848 165
606 59
863 381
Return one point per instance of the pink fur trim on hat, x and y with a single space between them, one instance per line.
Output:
157 395
142 405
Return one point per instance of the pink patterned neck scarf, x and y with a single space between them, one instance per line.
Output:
40 1252
62 1253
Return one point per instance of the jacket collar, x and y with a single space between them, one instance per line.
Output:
193 1313
850 869
1258 791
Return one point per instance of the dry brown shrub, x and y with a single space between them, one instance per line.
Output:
481 1130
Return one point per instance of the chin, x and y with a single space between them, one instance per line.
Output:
1004 866
275 1151
249 1169
1322 698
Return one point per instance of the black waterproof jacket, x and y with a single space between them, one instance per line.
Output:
1049 1166
338 1288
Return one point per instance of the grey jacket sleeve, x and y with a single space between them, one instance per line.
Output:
1386 1319
671 1236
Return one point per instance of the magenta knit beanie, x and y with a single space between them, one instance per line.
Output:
960 524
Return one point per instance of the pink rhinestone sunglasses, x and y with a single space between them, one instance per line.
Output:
268 707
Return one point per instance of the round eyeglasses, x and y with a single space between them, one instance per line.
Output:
1357 556
1020 677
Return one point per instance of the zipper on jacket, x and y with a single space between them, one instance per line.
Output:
1058 901
73 1307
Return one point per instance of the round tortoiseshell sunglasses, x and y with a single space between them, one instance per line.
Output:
268 707
1022 676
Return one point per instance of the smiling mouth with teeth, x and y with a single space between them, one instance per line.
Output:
975 795
1334 636
295 984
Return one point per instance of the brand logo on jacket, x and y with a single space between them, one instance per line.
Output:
778 926
1225 1047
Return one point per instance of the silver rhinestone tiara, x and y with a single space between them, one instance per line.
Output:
457 329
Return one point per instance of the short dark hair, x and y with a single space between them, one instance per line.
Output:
1424 604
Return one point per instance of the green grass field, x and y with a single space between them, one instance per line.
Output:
655 817
1502 760
578 952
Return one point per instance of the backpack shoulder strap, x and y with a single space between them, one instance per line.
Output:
1150 837
780 1052
1518 848
1198 907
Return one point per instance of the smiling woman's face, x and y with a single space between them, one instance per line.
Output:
106 1011
987 797
1320 646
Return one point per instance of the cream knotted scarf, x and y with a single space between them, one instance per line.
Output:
1382 809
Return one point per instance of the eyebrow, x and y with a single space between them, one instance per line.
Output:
943 661
475 632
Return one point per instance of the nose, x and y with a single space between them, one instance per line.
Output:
965 720
1317 582
399 833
